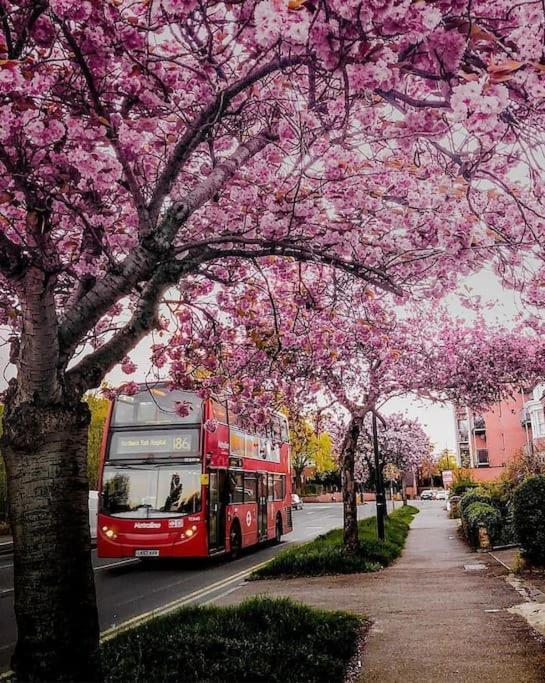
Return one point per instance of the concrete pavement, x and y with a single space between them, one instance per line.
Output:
439 613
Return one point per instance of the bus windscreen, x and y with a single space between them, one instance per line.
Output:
151 491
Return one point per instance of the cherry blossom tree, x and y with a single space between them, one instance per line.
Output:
148 143
311 337
402 444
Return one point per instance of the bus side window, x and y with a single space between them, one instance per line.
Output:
236 487
250 488
220 412
285 434
237 443
252 446
276 431
270 487
278 487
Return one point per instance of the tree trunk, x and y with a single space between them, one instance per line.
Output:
298 482
350 508
45 450
404 488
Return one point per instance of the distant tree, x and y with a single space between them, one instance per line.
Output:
309 449
447 461
427 469
403 445
99 411
525 463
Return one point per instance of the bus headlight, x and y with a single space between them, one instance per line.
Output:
109 533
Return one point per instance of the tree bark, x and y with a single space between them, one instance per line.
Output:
45 451
350 508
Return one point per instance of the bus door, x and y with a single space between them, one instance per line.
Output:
262 506
217 500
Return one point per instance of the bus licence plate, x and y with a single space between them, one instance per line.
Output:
146 553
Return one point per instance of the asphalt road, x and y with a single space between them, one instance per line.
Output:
127 588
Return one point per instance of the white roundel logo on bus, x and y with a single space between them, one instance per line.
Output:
248 518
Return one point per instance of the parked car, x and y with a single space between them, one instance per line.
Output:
427 495
296 502
441 495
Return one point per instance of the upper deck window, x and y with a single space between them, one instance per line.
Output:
157 406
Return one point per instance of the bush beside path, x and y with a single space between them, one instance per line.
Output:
325 554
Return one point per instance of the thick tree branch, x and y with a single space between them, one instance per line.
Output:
394 96
291 250
90 371
141 263
15 48
197 132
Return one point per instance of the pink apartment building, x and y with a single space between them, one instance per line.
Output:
486 441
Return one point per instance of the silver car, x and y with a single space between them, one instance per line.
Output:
296 502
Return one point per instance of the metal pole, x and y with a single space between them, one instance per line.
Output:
379 484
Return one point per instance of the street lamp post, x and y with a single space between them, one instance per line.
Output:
379 483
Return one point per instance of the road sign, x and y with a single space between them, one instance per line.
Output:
448 478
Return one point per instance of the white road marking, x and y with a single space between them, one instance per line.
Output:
117 564
223 595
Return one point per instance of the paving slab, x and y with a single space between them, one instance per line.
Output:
432 619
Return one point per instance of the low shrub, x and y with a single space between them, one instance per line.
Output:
480 514
460 487
326 555
313 489
529 517
473 497
260 640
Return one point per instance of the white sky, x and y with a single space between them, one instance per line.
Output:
438 419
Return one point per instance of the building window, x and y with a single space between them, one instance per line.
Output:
482 457
540 431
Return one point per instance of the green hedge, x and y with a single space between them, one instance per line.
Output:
460 487
326 555
260 640
529 517
479 514
473 497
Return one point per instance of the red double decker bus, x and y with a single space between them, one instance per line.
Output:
189 483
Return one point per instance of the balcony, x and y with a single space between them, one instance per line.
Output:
479 426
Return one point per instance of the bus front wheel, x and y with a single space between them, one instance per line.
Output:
235 540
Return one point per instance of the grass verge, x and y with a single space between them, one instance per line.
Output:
325 554
260 640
